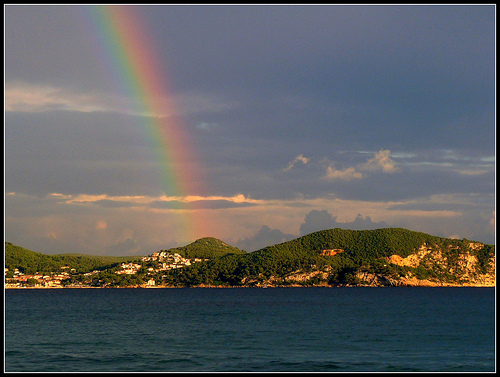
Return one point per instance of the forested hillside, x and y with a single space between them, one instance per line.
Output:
31 262
305 260
333 257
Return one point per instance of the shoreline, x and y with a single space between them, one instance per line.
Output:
271 286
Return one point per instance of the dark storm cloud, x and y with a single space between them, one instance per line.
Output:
347 75
316 77
51 45
256 87
401 74
73 152
298 44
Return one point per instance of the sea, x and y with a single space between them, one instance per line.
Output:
310 329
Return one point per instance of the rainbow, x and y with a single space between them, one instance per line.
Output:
131 54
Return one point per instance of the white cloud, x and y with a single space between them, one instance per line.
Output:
345 175
146 200
381 161
299 158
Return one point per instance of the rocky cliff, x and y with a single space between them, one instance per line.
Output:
448 268
441 263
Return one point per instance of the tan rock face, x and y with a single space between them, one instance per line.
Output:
413 260
465 267
299 276
475 245
375 280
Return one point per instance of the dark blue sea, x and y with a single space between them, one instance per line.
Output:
250 330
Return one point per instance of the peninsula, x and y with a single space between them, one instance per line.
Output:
328 258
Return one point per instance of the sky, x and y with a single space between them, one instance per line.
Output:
254 124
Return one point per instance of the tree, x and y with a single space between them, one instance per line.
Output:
31 282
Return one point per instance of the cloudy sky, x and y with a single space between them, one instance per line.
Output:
288 119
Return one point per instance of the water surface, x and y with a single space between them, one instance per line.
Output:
250 329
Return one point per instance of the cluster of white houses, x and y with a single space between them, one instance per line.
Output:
165 261
20 278
165 255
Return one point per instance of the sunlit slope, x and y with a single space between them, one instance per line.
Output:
347 257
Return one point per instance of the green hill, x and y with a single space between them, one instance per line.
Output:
359 255
206 248
30 262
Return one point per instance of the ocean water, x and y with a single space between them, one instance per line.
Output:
250 330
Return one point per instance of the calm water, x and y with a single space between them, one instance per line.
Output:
250 329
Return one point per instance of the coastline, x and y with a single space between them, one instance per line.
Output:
432 285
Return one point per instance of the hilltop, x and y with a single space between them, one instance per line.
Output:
332 257
206 247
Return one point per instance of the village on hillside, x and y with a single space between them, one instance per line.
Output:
154 263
